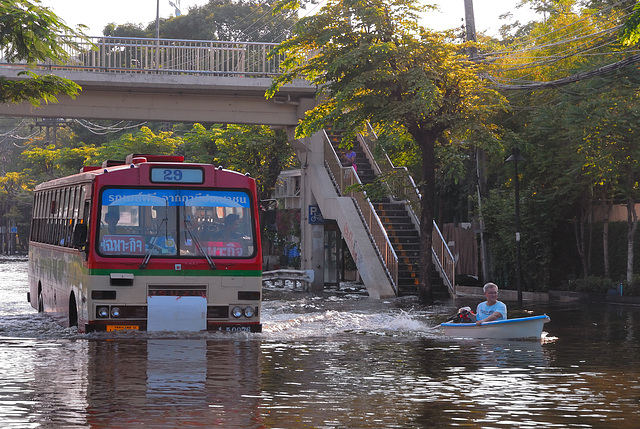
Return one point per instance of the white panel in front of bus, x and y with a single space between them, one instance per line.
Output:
176 313
234 282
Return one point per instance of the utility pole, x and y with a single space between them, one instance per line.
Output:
515 158
52 125
470 22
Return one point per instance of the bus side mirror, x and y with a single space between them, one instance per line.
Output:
80 236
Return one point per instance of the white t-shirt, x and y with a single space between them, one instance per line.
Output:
483 311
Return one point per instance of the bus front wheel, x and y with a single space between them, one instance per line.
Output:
73 311
40 302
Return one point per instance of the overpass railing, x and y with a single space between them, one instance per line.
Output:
168 56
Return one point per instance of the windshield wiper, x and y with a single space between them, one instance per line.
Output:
189 228
152 244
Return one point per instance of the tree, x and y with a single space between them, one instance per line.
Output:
144 141
565 134
372 62
30 32
611 149
125 30
222 20
15 204
257 150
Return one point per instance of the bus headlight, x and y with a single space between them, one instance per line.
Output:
115 311
236 312
248 312
103 312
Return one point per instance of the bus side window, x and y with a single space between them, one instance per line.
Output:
80 236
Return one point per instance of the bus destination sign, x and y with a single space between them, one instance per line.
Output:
177 175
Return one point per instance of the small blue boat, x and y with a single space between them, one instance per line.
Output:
521 328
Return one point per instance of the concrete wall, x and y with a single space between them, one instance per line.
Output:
504 294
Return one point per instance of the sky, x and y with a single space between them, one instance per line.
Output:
98 13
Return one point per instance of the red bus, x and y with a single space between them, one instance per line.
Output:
151 243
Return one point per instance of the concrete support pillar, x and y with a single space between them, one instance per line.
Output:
311 152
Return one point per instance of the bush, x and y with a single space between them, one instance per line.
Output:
592 285
634 288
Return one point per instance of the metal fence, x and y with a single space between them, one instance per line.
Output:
169 56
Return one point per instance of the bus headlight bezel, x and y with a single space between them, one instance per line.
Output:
103 312
236 312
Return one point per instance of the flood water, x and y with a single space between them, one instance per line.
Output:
337 361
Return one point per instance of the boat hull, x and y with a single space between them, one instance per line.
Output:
522 328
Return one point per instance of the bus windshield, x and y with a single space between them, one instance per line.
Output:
175 223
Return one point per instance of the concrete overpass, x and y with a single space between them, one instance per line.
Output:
195 81
169 97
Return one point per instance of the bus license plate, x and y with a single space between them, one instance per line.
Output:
111 328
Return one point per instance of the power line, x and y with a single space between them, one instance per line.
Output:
103 130
601 71
531 41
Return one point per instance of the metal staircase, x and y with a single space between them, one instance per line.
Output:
392 221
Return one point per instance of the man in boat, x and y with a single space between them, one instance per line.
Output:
491 309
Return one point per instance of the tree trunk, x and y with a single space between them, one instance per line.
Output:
426 141
583 242
578 228
632 224
607 206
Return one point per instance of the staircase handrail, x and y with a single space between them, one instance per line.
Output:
403 187
345 177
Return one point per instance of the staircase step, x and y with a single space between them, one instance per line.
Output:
402 233
395 224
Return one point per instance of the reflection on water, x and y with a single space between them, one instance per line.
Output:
335 362
172 382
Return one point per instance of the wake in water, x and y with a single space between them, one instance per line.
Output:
289 317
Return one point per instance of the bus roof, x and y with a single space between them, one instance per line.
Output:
89 173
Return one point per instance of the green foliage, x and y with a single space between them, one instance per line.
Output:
223 20
591 285
376 190
15 203
199 144
578 142
373 63
633 288
47 163
258 150
630 33
36 88
285 237
125 30
144 141
31 33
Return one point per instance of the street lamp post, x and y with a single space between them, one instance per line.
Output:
515 158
